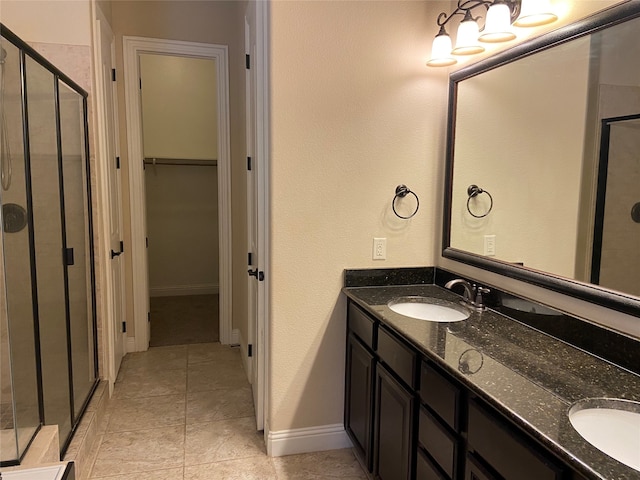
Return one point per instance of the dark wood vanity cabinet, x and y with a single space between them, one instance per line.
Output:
409 419
379 397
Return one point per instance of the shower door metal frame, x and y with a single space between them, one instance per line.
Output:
57 76
601 192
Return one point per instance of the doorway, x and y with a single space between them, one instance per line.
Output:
161 167
180 144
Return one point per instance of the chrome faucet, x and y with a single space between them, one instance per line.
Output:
472 295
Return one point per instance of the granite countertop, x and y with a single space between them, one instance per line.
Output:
528 376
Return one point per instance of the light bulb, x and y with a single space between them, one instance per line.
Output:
441 51
534 13
498 25
467 37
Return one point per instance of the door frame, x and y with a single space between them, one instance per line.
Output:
132 48
107 362
262 151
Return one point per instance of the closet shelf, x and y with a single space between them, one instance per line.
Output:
180 161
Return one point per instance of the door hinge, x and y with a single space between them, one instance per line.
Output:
250 258
113 74
249 350
121 246
68 256
124 327
148 316
118 163
249 164
140 83
146 242
247 61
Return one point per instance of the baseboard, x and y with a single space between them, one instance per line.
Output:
305 440
131 344
177 290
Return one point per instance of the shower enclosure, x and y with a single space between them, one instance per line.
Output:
48 366
616 256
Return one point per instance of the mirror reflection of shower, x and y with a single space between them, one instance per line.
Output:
5 158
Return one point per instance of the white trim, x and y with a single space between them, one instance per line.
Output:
131 344
264 179
105 294
179 290
304 440
235 337
132 48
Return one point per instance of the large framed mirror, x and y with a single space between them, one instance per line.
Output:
543 161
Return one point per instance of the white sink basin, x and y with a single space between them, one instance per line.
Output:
430 309
611 425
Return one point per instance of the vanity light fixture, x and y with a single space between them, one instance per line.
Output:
499 15
534 13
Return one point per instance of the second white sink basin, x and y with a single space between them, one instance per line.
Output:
432 310
611 425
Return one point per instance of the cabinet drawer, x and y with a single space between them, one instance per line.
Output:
437 442
504 450
400 358
362 325
441 396
424 469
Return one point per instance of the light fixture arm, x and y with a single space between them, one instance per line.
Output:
465 7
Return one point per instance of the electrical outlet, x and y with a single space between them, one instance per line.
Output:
490 245
379 248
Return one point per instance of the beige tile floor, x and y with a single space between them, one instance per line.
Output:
186 413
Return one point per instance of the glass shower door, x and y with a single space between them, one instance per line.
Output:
77 238
49 254
19 402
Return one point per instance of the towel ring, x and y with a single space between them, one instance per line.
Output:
401 192
474 191
470 361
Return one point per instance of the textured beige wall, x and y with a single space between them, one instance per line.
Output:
61 21
354 113
570 12
179 107
218 22
182 226
520 135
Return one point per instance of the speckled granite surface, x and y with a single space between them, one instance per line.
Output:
531 378
389 276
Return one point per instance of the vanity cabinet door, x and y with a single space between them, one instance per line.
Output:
358 397
393 425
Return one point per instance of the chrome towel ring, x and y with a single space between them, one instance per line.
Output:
401 192
474 191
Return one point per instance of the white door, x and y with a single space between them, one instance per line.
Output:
109 156
256 261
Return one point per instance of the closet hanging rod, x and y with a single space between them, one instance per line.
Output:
180 161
